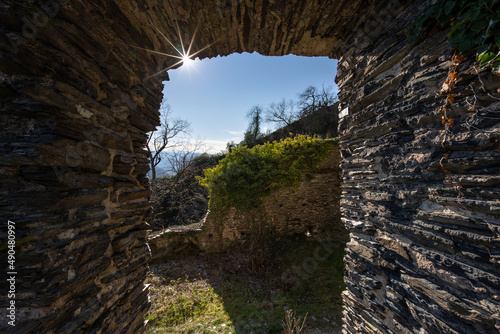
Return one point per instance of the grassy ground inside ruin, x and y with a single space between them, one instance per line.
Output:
238 293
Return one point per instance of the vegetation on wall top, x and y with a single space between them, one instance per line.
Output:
246 175
474 25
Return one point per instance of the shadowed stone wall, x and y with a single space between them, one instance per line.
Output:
424 250
77 98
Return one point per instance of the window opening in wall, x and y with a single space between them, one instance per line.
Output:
211 107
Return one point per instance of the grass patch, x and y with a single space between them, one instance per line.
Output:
223 293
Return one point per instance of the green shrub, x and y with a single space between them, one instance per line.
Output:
245 176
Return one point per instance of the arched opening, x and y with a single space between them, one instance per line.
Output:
79 108
79 93
214 97
294 261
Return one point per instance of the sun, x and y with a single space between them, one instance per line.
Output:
186 60
185 57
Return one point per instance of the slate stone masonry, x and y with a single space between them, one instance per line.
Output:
79 92
424 250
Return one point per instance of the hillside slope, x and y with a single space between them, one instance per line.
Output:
181 200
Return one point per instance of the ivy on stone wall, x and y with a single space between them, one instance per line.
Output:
475 25
245 176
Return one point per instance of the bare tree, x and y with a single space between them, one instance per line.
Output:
314 98
180 158
166 136
311 99
308 100
282 112
327 96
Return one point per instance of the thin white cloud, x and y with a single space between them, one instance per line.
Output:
210 146
236 133
218 145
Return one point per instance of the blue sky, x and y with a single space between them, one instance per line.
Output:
214 95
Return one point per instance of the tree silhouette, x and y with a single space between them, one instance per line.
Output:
166 136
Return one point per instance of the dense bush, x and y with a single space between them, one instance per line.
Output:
245 176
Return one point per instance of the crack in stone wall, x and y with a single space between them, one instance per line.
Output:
77 98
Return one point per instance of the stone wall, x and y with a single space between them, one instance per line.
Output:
78 93
75 107
312 208
173 243
424 250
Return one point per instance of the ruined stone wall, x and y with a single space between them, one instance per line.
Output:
424 250
77 98
80 86
172 243
311 208
74 112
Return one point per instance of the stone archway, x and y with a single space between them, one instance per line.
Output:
77 98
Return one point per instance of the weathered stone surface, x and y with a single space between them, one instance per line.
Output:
427 233
78 95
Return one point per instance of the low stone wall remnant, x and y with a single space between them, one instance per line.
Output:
312 208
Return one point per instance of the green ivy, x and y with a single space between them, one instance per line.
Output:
246 175
474 25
